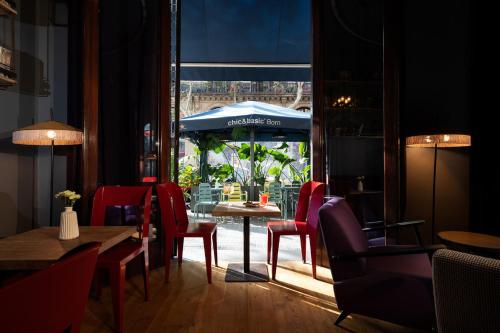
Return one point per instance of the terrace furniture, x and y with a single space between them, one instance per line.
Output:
466 292
204 198
305 223
246 272
176 226
392 283
52 299
115 259
290 197
237 195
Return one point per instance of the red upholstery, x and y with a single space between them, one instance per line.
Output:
115 259
176 225
52 299
306 223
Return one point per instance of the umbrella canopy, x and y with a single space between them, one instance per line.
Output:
268 121
265 122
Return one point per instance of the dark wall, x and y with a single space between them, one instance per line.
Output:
445 65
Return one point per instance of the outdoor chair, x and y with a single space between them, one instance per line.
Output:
176 226
52 299
203 198
275 194
306 223
392 283
238 194
115 259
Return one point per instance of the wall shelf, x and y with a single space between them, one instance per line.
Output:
6 9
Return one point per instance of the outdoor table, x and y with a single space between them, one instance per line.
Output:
246 272
40 248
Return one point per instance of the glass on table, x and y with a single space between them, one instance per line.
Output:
263 198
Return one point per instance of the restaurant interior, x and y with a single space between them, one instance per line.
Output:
248 166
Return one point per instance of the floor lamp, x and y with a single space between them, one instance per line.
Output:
437 141
48 133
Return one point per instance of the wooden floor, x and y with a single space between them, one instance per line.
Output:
294 303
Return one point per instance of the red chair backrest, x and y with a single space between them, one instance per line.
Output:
50 300
122 196
315 203
172 205
305 193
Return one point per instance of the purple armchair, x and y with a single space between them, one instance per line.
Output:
392 283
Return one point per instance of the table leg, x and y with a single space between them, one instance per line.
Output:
246 272
246 244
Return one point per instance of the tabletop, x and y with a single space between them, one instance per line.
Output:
471 239
238 209
39 248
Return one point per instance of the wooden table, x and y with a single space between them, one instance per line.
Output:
471 241
246 272
39 248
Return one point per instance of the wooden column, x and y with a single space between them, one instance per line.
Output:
392 74
90 151
318 151
164 94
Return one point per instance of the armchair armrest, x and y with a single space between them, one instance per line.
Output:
389 252
396 226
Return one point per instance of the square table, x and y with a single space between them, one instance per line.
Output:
246 272
40 248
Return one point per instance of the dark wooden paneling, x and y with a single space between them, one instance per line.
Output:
392 72
90 156
164 93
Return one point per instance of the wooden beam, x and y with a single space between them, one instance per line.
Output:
90 151
164 94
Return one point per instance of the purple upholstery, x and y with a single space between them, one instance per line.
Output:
392 288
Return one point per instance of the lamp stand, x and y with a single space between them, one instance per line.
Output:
51 180
433 221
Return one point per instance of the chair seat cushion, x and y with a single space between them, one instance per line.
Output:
196 229
287 227
121 253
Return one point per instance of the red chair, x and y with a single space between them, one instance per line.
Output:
52 299
306 223
176 226
115 259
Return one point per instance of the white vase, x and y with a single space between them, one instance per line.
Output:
68 228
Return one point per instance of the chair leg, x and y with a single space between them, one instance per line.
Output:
98 283
303 247
208 256
145 273
268 246
117 284
214 244
312 242
275 246
341 317
167 253
180 247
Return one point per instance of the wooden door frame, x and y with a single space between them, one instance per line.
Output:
392 73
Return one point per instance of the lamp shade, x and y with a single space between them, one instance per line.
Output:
438 140
46 133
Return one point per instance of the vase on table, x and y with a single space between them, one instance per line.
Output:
68 227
